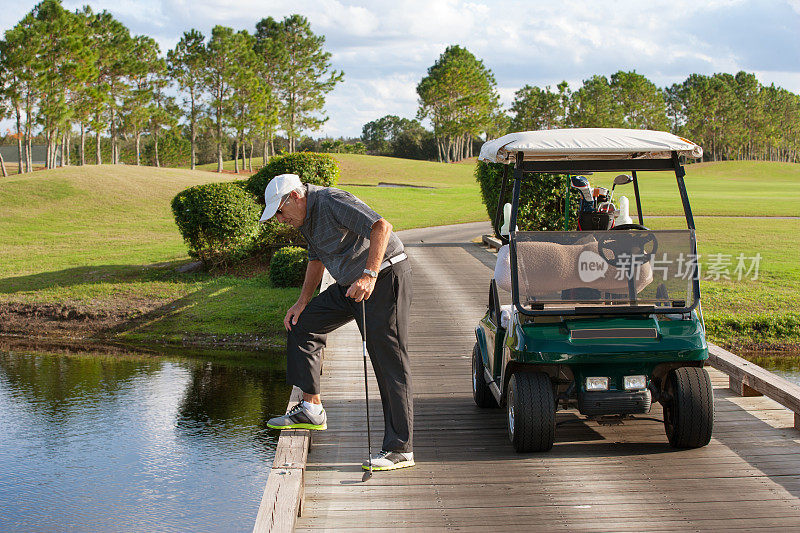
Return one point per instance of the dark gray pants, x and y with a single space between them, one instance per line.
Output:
387 313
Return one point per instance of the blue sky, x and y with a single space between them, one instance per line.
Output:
385 47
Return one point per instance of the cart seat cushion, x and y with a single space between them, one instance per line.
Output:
502 269
546 268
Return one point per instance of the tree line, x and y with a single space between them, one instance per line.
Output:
63 72
731 116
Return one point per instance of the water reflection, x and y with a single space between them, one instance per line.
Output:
136 443
786 365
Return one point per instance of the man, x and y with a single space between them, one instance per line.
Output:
366 258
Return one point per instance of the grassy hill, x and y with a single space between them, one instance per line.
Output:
101 242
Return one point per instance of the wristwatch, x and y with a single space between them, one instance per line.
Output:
370 273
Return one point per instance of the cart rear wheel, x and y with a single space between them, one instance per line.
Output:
480 389
531 412
689 412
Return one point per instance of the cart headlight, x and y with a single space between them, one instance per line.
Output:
594 384
635 382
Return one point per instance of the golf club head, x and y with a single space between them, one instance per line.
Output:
582 184
622 179
578 182
367 475
601 195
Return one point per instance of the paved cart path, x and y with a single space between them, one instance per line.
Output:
620 478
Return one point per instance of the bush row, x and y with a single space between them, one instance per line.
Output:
219 221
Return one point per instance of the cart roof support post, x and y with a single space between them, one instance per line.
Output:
638 198
687 210
500 203
679 174
512 229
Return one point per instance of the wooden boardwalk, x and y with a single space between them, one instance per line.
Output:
596 478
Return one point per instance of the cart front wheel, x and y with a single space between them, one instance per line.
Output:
531 412
689 411
480 389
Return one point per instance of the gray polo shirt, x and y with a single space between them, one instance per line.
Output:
337 228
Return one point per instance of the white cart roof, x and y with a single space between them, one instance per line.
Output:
587 143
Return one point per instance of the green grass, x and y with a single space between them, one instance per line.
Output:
730 188
95 236
101 237
453 195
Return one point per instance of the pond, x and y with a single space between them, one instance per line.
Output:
136 443
786 365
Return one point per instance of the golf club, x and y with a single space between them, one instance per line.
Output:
367 473
622 179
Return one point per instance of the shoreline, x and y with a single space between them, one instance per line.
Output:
69 327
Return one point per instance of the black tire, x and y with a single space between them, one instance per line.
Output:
480 389
531 412
689 410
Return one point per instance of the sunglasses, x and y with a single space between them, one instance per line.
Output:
282 205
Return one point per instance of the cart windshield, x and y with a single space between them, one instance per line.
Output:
569 269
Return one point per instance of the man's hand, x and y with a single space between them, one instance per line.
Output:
362 288
292 314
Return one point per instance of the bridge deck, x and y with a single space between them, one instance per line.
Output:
621 478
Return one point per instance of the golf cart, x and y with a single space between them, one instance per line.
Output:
605 319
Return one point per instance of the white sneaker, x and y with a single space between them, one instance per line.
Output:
387 460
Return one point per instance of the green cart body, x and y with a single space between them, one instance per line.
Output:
616 344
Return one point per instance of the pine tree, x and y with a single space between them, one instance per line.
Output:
304 78
18 59
459 97
220 68
270 62
540 109
186 67
146 73
639 102
593 106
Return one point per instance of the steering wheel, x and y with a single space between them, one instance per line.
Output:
628 247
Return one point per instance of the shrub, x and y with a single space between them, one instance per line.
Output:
319 169
273 234
219 221
288 267
541 199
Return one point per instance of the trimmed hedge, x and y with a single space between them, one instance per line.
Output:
273 234
288 267
319 169
541 199
219 222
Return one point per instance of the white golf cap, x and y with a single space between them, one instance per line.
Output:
277 188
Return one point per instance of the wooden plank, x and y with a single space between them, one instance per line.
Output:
280 503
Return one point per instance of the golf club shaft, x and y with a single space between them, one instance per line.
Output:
366 386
